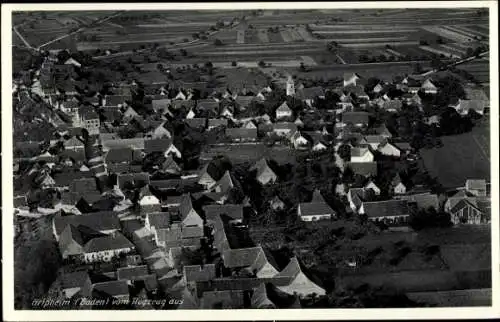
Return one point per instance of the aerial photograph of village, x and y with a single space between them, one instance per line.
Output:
251 159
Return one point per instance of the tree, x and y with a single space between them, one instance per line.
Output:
262 64
332 46
183 52
417 68
302 67
423 42
428 218
344 152
234 63
218 42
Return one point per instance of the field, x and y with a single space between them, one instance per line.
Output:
479 69
462 157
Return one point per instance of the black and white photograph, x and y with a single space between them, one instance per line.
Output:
250 157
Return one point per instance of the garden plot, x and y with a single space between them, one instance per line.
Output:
176 25
367 40
262 34
256 52
275 37
443 32
483 30
454 48
440 51
240 36
286 35
460 31
473 32
379 44
361 31
306 35
251 36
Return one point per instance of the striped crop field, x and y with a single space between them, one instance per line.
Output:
446 33
263 37
436 49
240 37
379 44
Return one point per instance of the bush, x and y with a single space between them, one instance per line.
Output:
262 63
218 42
233 63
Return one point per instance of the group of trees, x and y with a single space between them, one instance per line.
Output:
36 264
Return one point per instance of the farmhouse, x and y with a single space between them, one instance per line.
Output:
389 150
476 187
351 79
241 134
317 209
464 106
365 169
264 174
361 155
428 87
284 128
300 284
283 111
391 212
106 248
358 119
165 146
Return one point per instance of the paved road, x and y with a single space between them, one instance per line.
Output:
22 38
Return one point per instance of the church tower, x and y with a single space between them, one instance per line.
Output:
290 87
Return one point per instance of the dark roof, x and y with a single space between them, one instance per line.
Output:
186 205
98 221
386 208
196 273
166 184
423 200
142 177
315 209
241 133
241 257
233 211
118 155
244 101
74 279
310 93
68 176
109 242
402 145
157 145
196 123
159 220
84 185
355 117
366 169
88 113
111 288
132 273
69 236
